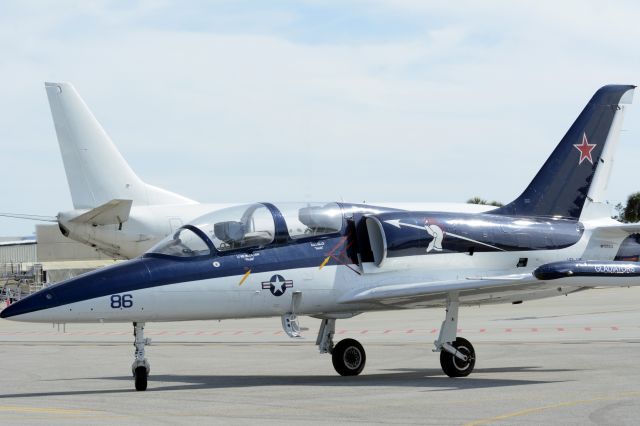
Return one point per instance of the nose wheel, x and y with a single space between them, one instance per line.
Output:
140 367
140 376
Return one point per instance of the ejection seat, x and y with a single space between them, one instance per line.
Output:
231 233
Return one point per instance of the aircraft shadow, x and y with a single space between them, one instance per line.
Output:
430 379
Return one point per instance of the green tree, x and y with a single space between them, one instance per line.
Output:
478 200
629 213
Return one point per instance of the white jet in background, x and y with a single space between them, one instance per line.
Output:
114 210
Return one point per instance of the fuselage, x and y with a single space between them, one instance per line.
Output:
270 260
148 225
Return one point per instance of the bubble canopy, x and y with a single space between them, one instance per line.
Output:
251 226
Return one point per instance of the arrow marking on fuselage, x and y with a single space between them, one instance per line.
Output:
398 224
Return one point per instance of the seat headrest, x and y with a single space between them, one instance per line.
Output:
229 231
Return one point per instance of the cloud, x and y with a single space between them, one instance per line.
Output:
226 101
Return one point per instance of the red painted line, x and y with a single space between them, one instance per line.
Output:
410 331
459 330
433 330
535 330
343 263
257 332
340 242
238 332
364 331
508 330
199 333
482 330
614 328
387 331
180 333
341 332
587 329
215 333
279 332
560 329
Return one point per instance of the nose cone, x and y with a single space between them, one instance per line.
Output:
110 280
35 302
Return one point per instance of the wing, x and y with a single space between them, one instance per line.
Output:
547 280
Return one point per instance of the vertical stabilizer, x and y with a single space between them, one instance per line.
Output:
578 169
96 171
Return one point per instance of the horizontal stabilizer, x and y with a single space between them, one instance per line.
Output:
113 212
619 230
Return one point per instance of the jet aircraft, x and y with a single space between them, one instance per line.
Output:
335 260
115 211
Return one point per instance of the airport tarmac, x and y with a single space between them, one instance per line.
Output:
567 360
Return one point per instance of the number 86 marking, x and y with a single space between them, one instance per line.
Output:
121 301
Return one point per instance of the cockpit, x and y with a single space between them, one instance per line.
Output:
251 226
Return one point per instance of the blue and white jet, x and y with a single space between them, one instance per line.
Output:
336 260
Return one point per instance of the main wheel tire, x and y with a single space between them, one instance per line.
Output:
348 357
455 367
140 377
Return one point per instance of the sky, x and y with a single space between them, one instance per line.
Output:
237 101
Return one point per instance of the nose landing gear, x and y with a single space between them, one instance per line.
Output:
140 367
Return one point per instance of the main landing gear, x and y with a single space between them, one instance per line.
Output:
140 367
348 355
457 356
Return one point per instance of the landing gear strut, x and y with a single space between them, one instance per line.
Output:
457 356
140 367
348 356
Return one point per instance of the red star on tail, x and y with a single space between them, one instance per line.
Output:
585 149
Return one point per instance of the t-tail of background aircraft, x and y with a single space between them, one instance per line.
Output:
114 210
336 260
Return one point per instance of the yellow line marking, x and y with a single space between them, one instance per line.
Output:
549 407
43 410
244 277
324 262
